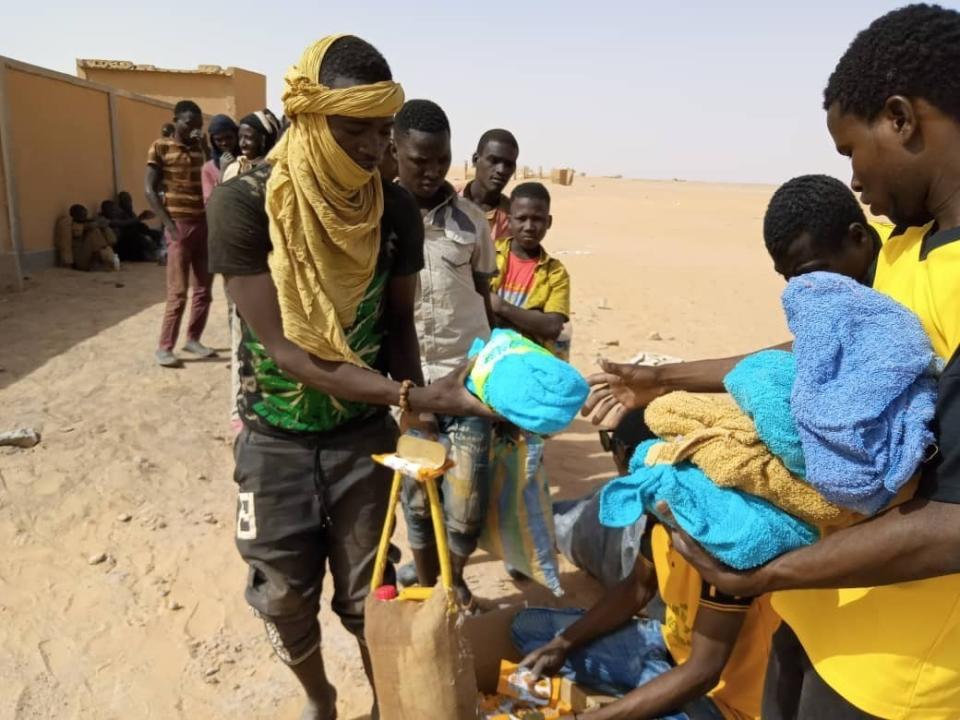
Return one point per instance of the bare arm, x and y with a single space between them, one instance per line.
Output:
404 347
151 189
714 635
618 604
482 283
621 386
256 299
919 539
546 326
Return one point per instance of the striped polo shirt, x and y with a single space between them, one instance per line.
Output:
181 166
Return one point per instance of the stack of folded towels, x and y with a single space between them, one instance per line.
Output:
805 443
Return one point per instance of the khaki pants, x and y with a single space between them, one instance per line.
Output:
94 249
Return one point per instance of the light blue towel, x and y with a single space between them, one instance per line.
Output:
761 384
525 383
865 391
741 530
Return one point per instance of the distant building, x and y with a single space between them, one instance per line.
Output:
232 91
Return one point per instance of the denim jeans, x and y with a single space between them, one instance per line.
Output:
614 664
464 489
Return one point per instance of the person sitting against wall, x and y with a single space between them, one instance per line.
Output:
85 243
136 242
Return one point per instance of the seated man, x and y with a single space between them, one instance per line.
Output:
531 292
83 243
706 660
135 241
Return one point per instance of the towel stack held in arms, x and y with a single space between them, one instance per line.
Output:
809 442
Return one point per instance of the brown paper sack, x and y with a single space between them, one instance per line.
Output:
422 665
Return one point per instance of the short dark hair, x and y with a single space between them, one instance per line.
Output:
819 205
352 57
421 115
913 51
106 205
497 135
531 191
186 106
77 209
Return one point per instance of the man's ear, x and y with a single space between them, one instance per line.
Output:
549 221
901 113
859 234
392 149
476 156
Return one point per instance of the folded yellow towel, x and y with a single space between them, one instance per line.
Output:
714 434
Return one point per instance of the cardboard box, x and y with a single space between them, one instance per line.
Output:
489 638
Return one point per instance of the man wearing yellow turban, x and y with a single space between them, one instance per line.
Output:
321 258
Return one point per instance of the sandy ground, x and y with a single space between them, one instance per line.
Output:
135 462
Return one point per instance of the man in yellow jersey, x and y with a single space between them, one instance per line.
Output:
705 661
880 645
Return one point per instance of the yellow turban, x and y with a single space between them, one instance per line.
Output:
324 209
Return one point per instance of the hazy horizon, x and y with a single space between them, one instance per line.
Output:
697 92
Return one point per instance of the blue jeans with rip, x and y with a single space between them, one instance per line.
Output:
614 664
464 489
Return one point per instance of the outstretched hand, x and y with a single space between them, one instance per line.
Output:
619 388
740 583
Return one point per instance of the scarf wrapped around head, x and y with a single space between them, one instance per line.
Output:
265 123
220 124
324 209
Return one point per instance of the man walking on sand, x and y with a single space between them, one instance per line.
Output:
174 166
321 257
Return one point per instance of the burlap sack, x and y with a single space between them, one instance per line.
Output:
422 666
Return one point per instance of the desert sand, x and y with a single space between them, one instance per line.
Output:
120 588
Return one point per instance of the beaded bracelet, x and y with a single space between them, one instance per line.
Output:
405 388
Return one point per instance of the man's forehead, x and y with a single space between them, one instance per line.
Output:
499 149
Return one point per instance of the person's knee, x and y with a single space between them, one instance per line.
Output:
290 616
293 639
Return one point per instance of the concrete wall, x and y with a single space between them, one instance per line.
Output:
232 91
61 152
63 141
138 125
250 91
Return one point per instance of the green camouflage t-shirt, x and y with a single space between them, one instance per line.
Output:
239 243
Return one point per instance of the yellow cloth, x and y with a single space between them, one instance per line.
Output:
684 594
324 209
894 651
718 437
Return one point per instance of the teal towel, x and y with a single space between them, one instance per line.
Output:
761 384
741 530
525 383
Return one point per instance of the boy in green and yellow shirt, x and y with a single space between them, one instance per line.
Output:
531 291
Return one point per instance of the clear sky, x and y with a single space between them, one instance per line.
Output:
695 90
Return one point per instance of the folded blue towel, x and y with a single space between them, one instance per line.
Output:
865 391
742 530
761 384
525 383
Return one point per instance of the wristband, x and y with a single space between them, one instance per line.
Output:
405 388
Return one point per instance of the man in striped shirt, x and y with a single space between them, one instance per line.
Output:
174 167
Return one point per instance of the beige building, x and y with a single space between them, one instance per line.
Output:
232 91
66 140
